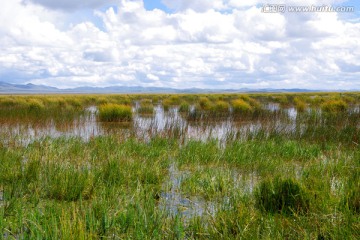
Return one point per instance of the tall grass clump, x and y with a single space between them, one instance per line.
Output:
204 103
281 99
240 107
284 196
35 105
334 106
300 104
184 107
146 107
351 199
67 183
115 113
170 102
219 108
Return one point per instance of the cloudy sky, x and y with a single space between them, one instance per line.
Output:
179 43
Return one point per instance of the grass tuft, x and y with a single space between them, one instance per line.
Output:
334 106
115 113
241 107
300 105
284 196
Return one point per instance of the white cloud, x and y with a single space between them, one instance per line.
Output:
208 44
197 5
152 77
70 4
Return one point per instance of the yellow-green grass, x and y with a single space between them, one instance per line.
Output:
334 106
184 107
146 107
115 113
204 103
220 107
239 106
300 104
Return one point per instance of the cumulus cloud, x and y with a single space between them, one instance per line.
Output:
209 44
70 4
197 5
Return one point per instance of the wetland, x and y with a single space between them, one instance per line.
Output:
185 166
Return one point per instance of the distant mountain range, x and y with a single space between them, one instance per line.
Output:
8 88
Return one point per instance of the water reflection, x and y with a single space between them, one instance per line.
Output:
175 203
162 123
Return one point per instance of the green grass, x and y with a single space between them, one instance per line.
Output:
334 106
146 107
115 113
300 104
30 108
184 107
240 107
204 103
219 109
284 196
268 184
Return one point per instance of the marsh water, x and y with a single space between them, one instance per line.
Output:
162 123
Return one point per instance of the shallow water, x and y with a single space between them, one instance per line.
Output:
145 127
173 202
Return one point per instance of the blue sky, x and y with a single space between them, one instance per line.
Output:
150 5
178 43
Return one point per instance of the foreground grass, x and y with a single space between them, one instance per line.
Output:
70 189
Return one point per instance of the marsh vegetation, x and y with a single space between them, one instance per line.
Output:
210 166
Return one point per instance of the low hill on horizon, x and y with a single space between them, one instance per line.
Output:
9 88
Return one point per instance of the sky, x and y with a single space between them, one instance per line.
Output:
213 44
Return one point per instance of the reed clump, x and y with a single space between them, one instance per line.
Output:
220 106
300 104
171 102
35 105
240 107
284 196
204 103
184 107
334 106
115 113
66 183
281 99
219 109
146 107
351 200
